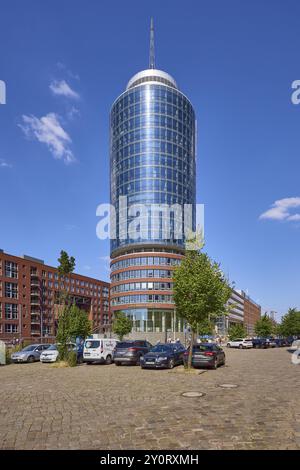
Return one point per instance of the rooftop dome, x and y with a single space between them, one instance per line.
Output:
151 75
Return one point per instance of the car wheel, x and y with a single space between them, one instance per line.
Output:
108 360
228 345
215 364
30 359
138 361
171 364
117 363
240 346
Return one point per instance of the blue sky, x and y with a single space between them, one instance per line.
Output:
64 63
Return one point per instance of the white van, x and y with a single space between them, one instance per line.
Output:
99 350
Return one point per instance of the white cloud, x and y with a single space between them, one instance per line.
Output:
61 88
63 67
49 131
281 210
4 164
73 112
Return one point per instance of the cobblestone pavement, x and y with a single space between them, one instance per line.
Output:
109 407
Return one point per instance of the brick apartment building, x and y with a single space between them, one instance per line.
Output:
28 293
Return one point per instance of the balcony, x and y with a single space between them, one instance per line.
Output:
35 322
35 302
34 283
35 333
35 293
34 275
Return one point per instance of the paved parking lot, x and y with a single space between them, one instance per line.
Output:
109 407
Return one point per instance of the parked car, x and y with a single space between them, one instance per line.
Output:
241 343
295 345
163 356
99 350
30 353
264 343
130 352
206 355
259 343
271 342
51 354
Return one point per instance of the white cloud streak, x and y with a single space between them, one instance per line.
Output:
62 88
281 210
4 164
48 130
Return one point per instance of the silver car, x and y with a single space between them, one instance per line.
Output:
29 354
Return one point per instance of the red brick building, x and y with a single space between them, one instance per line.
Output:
28 295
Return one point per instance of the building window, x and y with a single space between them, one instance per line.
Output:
9 328
11 269
11 311
11 290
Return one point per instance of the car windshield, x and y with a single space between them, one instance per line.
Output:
92 344
52 347
124 344
161 348
29 348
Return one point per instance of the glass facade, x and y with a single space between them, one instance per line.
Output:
145 261
152 159
149 320
152 154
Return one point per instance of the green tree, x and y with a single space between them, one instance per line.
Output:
205 327
121 325
290 323
65 267
66 264
79 324
236 331
73 322
264 326
201 291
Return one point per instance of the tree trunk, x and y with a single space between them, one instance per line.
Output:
191 350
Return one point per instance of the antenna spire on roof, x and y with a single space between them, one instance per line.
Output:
152 50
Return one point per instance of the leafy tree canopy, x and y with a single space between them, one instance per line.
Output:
66 264
121 325
290 323
264 326
237 331
201 290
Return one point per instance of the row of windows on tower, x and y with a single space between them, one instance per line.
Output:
152 107
152 93
151 120
151 133
153 146
159 185
157 161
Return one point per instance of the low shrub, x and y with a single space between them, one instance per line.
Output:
72 359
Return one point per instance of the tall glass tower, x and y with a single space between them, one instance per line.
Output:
152 157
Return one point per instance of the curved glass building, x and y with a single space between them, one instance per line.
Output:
153 189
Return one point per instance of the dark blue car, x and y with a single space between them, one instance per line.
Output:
163 356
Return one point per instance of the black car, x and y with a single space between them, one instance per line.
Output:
130 352
163 356
206 355
260 343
